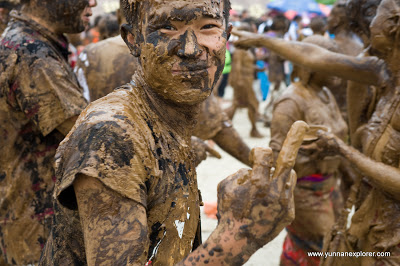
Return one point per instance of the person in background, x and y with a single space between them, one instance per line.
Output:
40 99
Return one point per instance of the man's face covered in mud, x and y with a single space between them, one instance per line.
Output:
70 16
181 46
385 27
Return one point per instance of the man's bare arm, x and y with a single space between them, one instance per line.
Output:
230 141
384 176
367 70
114 227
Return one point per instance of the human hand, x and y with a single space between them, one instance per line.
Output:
201 149
259 202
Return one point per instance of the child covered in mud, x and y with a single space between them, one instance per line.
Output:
374 225
40 100
106 65
309 99
126 191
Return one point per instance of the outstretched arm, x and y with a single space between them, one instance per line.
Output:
384 176
231 142
370 70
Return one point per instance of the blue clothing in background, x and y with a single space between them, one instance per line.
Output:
264 82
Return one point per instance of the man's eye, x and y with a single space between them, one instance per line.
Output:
209 26
167 27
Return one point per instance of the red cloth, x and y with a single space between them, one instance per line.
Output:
295 255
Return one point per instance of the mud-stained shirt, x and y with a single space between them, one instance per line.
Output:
38 92
121 141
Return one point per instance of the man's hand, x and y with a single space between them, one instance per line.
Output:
253 205
259 202
201 149
247 39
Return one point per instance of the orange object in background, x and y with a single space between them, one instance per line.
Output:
210 209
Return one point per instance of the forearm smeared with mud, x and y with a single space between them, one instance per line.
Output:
254 205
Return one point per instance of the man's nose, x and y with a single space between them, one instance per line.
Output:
92 3
189 45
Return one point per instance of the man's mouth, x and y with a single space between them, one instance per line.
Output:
191 70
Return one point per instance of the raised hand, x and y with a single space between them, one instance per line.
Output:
257 204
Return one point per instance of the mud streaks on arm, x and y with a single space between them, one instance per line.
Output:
114 227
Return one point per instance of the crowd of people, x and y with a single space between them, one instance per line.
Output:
103 126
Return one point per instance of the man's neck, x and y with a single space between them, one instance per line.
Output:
179 117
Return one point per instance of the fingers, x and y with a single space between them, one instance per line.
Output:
262 160
237 32
213 152
287 155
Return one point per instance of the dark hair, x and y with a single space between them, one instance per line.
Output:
131 10
280 23
318 25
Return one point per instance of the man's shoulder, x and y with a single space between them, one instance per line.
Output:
294 93
123 107
24 41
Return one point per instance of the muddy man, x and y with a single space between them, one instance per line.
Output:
40 100
126 191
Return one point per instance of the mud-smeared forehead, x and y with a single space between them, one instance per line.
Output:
186 10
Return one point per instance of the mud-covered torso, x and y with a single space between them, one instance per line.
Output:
38 92
122 142
299 103
242 73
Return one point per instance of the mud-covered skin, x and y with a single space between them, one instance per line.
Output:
34 101
241 79
111 139
66 16
183 52
367 70
105 65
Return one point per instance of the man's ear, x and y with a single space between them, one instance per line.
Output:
229 30
130 39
